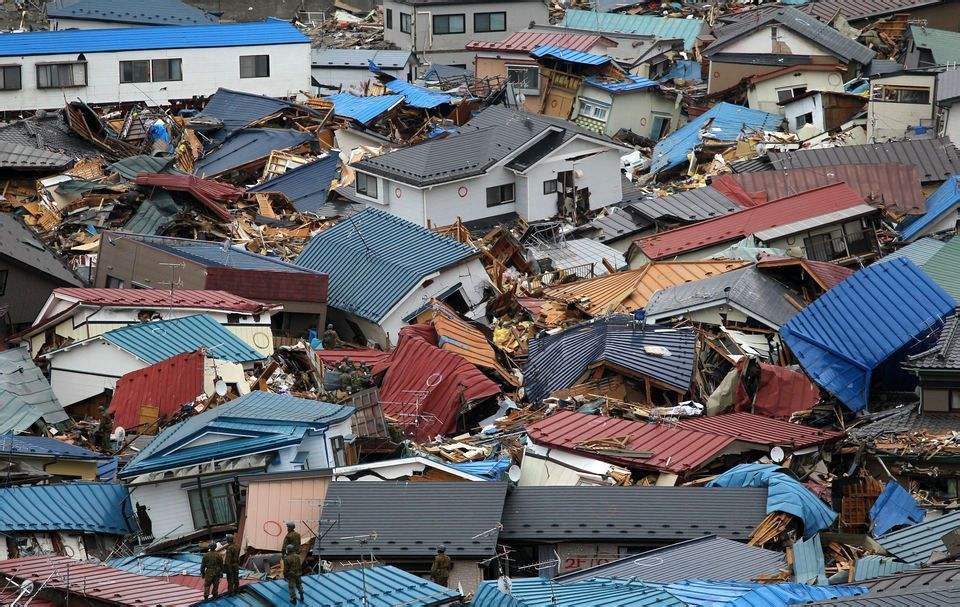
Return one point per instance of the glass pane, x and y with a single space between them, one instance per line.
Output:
456 24
498 22
481 22
247 67
263 66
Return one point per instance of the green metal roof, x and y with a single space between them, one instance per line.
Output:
661 27
943 44
942 268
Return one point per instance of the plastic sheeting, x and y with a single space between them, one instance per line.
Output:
894 507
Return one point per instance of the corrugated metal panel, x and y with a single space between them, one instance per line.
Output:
166 385
130 167
570 55
942 574
810 204
371 273
366 356
144 12
159 340
627 292
760 430
842 336
359 57
271 502
783 392
525 41
659 27
632 83
704 593
896 186
153 214
25 394
895 507
182 563
670 448
106 584
630 514
916 543
874 566
412 519
707 558
809 566
556 362
944 200
269 32
84 507
215 254
418 96
691 205
13 445
248 145
463 339
577 252
199 299
537 592
363 109
935 159
306 187
211 194
932 597
919 251
723 122
426 389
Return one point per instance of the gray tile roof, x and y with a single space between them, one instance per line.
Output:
687 206
639 515
412 519
946 353
901 420
237 109
751 291
22 157
141 12
800 23
25 394
944 574
948 85
936 159
916 543
307 187
705 558
248 145
47 131
358 57
617 223
20 244
920 597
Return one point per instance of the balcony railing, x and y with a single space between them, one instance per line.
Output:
851 245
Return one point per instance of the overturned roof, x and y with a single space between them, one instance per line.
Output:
940 205
25 394
143 12
20 244
249 145
17 156
47 131
363 109
167 385
306 187
237 109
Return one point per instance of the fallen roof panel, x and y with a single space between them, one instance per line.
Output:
757 429
25 394
569 55
915 544
363 109
167 385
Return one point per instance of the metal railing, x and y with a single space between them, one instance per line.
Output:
850 245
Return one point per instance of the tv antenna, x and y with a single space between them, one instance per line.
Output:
413 402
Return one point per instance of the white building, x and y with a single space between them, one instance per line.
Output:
769 91
438 31
349 69
948 96
156 65
900 104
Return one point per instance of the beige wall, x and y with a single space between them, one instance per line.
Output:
490 67
763 95
888 120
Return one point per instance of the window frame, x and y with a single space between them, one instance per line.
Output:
133 63
113 282
338 449
879 93
792 90
527 68
256 66
547 183
448 16
59 64
168 61
388 18
500 195
3 77
205 493
408 18
592 109
489 15
367 178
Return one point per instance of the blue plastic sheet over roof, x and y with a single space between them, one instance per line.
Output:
418 96
632 83
894 507
784 494
384 586
724 121
85 507
375 259
155 341
696 593
661 27
269 32
492 469
877 312
538 592
307 186
944 200
363 109
570 55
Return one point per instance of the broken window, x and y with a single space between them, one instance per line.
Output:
114 283
339 449
212 506
500 194
786 94
167 70
60 75
490 22
367 185
255 66
901 94
526 78
661 126
449 24
804 119
10 78
134 71
550 186
3 281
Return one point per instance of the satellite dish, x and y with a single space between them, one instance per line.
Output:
777 455
119 434
504 585
27 587
221 387
513 473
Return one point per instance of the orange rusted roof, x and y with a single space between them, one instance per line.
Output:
626 292
460 337
274 500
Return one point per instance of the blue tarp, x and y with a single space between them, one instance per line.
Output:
784 494
894 507
878 312
570 55
492 469
363 109
724 121
942 201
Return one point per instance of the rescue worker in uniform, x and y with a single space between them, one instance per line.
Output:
211 570
231 565
330 338
104 430
292 538
440 572
291 572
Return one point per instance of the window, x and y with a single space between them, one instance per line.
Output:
449 24
406 23
660 127
10 78
526 78
167 70
60 75
490 22
113 282
255 66
211 506
3 281
367 185
134 71
594 109
790 92
500 194
550 186
389 19
339 449
804 120
901 94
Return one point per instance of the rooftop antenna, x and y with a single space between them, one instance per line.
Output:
173 284
330 522
546 566
363 540
416 399
359 234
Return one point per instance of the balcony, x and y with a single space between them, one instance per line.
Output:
852 244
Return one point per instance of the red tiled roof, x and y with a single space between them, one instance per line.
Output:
367 356
525 41
782 392
896 186
208 192
168 384
423 411
760 430
178 298
674 449
102 584
269 285
739 224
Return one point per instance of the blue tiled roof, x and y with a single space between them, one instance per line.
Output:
247 145
307 186
418 96
375 259
727 123
41 446
704 593
941 202
539 592
632 83
178 563
661 27
570 55
877 312
155 341
363 109
88 507
269 32
144 12
384 586
261 421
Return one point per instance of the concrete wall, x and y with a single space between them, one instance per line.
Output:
888 120
763 95
204 70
